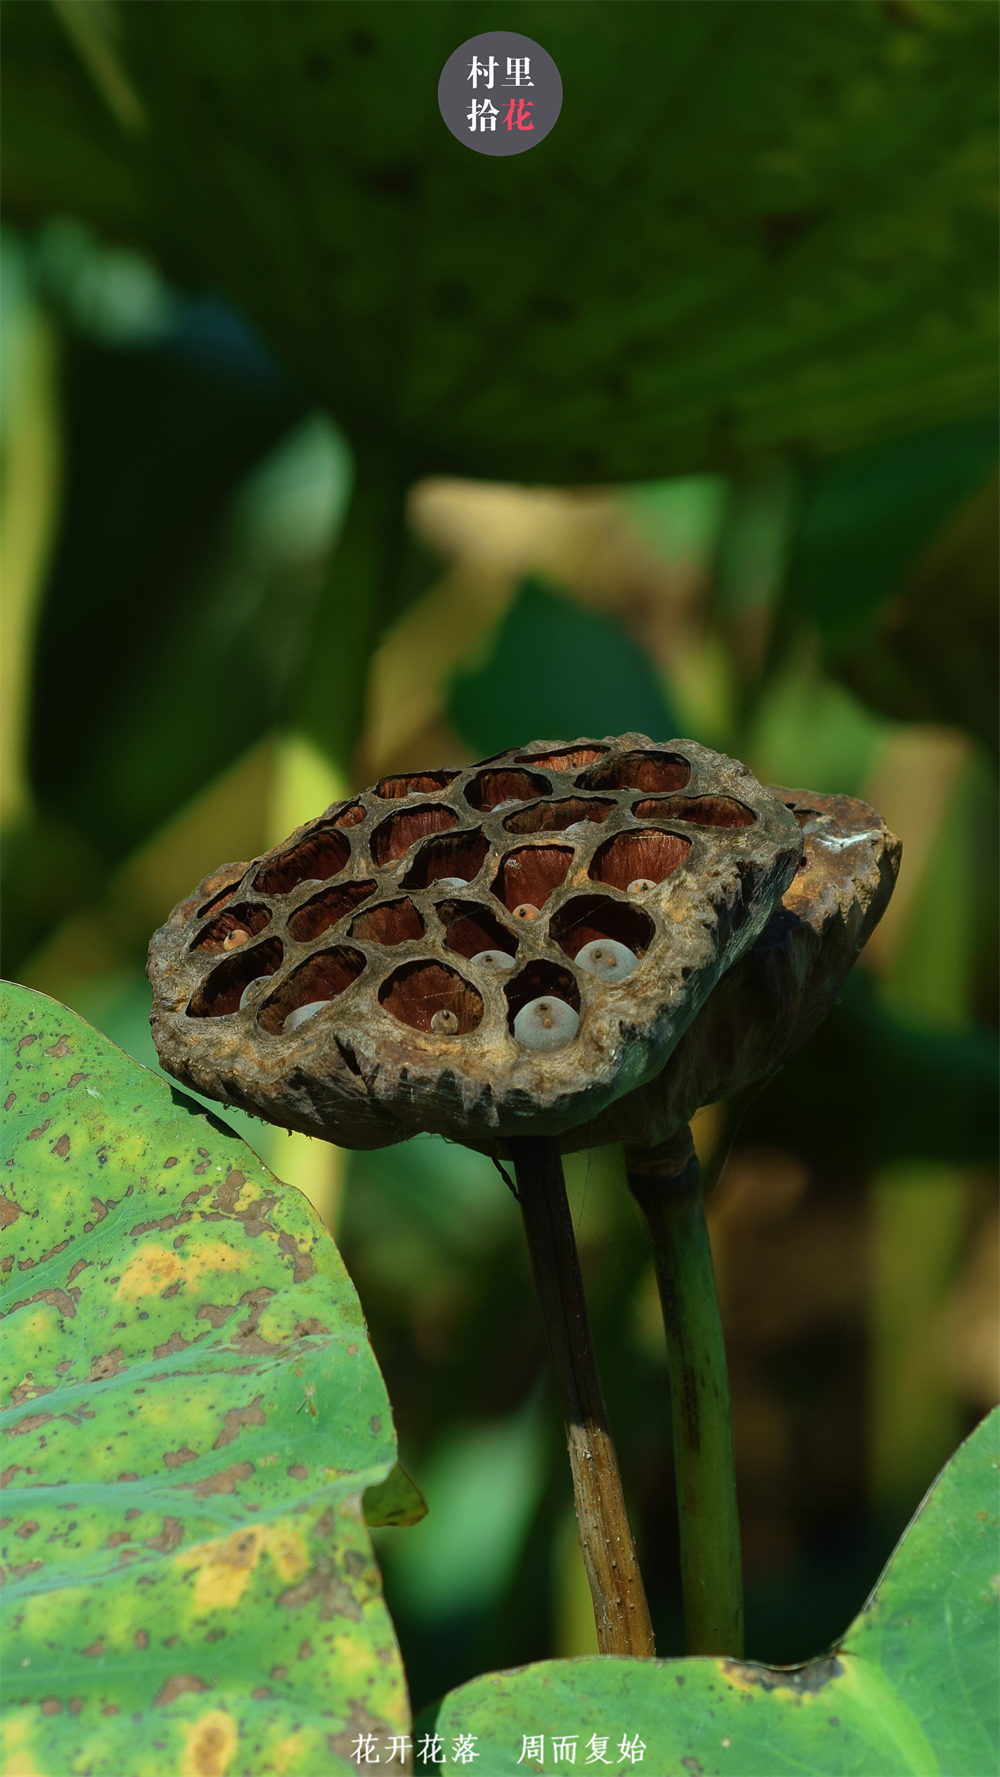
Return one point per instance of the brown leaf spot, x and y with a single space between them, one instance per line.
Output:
324 1584
306 1650
118 1537
111 1709
177 1686
32 1423
21 1573
23 1044
108 1365
94 1652
61 1147
67 1364
100 1209
172 1290
74 1079
27 1391
278 1673
224 1482
298 1473
352 1351
309 1328
376 1424
81 1265
237 1416
162 1223
50 1706
192 1197
128 1477
246 1335
169 1537
9 1473
141 1640
229 1190
259 1692
75 1705
54 1251
59 1049
35 1133
303 1267
218 1316
175 1343
10 1100
174 1458
172 1161
27 1529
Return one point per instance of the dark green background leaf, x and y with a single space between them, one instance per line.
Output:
684 272
557 669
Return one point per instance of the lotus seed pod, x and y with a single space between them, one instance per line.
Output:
774 997
607 958
383 909
640 885
546 1024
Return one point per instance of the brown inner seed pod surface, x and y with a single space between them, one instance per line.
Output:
408 929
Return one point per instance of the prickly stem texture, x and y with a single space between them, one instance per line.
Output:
666 1183
620 1608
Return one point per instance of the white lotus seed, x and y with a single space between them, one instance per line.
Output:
248 990
526 910
494 959
301 1013
607 958
444 1023
452 882
546 1023
640 885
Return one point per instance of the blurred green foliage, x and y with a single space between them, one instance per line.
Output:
757 250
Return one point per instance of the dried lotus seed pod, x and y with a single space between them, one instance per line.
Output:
763 1010
421 957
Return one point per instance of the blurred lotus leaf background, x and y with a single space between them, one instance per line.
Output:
331 449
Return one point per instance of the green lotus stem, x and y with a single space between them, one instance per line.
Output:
620 1608
666 1183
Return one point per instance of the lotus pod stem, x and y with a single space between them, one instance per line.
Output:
666 1183
620 1608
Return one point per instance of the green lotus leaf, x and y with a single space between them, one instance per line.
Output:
192 1414
911 1688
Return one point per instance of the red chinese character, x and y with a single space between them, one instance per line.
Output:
523 107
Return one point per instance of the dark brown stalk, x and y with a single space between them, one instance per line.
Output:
620 1608
666 1183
